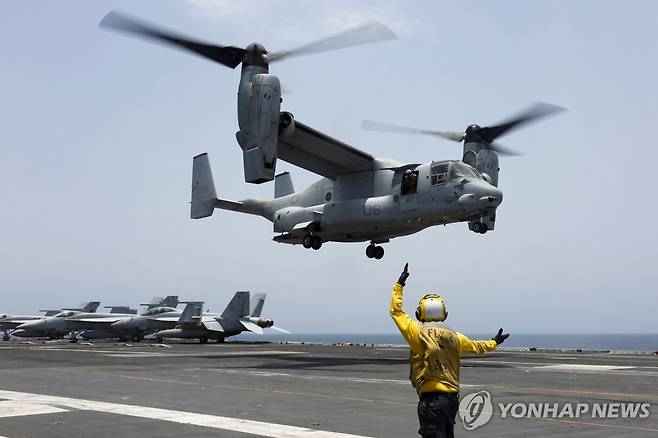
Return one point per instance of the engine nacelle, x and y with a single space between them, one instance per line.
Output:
259 128
486 161
286 218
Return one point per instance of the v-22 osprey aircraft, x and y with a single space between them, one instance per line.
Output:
360 198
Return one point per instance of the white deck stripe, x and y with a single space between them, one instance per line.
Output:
11 408
234 424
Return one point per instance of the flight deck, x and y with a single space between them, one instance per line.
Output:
106 389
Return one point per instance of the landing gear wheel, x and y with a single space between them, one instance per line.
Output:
317 243
370 251
483 229
379 252
307 242
5 337
477 227
203 340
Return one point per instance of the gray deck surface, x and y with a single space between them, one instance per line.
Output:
353 390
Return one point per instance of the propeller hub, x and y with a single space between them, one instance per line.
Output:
255 54
472 134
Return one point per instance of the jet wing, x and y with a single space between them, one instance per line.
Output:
212 324
321 154
164 318
108 320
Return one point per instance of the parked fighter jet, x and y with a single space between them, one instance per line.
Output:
236 318
108 325
51 326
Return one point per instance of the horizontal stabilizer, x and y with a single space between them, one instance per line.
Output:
251 326
212 324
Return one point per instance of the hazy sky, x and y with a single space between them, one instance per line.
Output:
98 130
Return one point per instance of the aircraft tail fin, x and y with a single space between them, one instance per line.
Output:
191 313
155 302
204 195
121 309
89 307
283 185
169 301
238 307
257 301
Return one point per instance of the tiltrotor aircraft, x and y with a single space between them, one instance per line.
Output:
360 198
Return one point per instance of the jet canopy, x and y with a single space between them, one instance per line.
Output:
159 310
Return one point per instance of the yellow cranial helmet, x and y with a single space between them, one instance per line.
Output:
431 307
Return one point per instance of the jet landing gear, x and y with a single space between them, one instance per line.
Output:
311 241
374 252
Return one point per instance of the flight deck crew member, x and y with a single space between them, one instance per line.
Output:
435 359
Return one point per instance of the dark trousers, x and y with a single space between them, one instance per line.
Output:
436 414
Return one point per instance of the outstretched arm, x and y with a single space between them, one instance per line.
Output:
407 326
479 347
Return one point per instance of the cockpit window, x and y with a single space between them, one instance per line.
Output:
64 314
439 173
461 170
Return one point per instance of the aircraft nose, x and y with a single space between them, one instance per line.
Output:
121 325
493 196
31 325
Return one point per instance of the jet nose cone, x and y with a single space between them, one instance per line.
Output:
31 325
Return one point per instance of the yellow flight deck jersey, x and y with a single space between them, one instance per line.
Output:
435 349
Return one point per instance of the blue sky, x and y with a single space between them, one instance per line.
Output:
98 131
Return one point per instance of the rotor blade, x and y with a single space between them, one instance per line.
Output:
502 150
227 55
367 33
535 112
279 329
387 127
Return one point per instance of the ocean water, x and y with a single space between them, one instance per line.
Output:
605 342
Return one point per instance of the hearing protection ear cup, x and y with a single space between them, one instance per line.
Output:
418 313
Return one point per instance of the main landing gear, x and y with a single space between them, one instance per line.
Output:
374 252
311 241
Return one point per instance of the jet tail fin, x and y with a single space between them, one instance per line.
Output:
88 307
257 301
191 313
283 185
238 307
121 309
169 301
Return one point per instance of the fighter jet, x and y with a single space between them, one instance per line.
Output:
126 325
236 318
49 326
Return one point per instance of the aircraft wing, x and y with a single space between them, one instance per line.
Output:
108 320
212 324
165 318
321 154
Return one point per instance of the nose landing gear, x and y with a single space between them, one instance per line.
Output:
374 252
311 241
